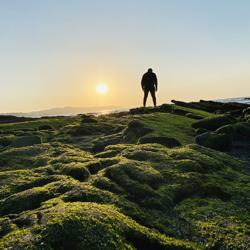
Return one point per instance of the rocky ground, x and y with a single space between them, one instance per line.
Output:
171 177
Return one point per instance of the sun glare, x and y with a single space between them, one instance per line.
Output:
102 88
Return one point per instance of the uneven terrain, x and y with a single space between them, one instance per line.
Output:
171 177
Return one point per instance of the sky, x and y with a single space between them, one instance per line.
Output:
53 53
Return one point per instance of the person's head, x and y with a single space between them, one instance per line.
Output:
150 70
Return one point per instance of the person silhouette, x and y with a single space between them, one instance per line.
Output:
149 83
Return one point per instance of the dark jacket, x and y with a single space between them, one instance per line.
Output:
149 80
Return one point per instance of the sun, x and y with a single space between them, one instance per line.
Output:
102 88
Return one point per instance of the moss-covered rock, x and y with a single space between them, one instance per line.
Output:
89 119
59 195
76 170
221 142
6 140
45 127
135 130
200 131
25 200
163 140
142 110
213 123
102 142
89 224
242 130
227 129
194 116
95 166
24 141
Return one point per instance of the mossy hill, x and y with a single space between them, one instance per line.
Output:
171 177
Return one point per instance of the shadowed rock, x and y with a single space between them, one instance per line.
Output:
200 131
214 107
45 127
77 171
135 130
194 116
24 141
213 123
221 142
163 140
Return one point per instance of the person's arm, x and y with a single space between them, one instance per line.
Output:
142 82
156 83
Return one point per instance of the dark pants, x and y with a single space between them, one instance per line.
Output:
152 92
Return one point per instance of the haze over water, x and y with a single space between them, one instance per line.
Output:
55 53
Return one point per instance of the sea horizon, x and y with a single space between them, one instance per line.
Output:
73 111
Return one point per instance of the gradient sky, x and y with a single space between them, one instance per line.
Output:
54 52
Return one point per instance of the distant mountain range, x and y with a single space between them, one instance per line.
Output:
66 111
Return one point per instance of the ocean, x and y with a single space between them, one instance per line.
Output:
245 100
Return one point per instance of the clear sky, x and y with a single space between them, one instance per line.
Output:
53 53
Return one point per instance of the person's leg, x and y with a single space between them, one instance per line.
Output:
145 97
152 92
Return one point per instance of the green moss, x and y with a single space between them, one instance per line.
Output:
25 200
97 165
55 122
188 193
6 226
206 161
170 125
188 165
135 130
24 141
41 155
140 154
20 180
77 171
213 123
90 225
217 141
227 129
45 127
6 140
18 239
88 193
104 141
163 140
241 130
194 116
200 131
200 113
105 183
220 225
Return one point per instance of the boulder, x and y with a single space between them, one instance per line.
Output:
194 116
200 131
6 140
89 119
143 110
135 130
213 123
163 140
178 111
102 142
77 171
227 129
45 127
242 130
24 141
166 108
221 142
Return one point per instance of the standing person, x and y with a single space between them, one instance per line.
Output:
149 84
